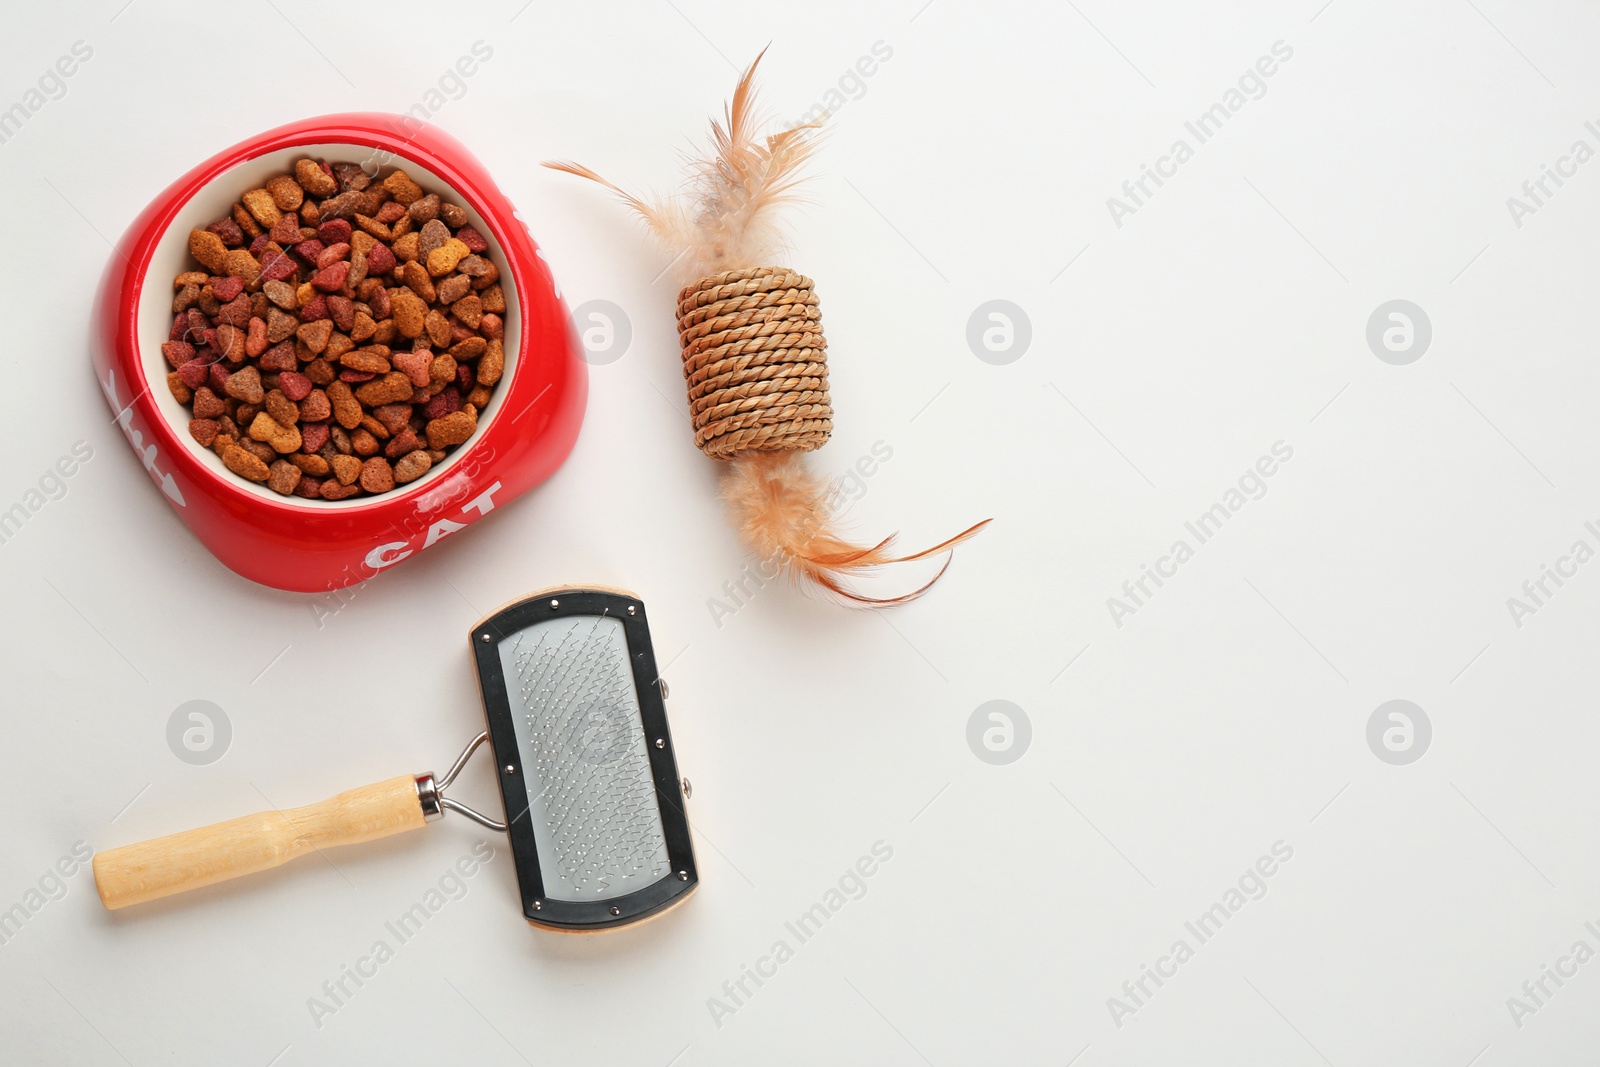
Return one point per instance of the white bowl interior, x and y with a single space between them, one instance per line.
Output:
215 200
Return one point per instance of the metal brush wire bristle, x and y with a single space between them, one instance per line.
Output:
592 800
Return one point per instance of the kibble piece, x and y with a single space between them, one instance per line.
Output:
281 408
402 188
331 279
373 227
255 341
264 427
346 408
345 468
433 235
388 389
446 401
450 430
492 363
365 360
230 342
340 207
453 288
295 386
315 180
380 260
409 314
425 209
208 248
342 310
315 335
443 260
415 366
286 231
403 444
258 449
377 476
281 293
229 231
443 368
332 490
393 417
195 373
261 207
244 464
204 430
283 438
437 328
286 193
414 276
207 404
407 248
309 464
338 345
351 176
313 436
469 309
315 407
240 262
454 215
412 466
236 312
283 476
280 325
247 225
245 385
470 348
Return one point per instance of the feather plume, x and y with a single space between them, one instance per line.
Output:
780 506
727 218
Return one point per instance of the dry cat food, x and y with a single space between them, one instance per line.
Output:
340 333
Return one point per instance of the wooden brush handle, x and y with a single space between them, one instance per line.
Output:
160 867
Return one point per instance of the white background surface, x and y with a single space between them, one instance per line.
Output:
1167 754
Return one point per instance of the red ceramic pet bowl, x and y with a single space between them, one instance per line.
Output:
523 434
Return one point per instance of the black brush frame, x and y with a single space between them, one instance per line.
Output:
682 877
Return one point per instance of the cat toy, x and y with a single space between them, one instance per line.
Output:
754 354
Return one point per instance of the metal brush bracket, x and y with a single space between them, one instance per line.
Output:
431 792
